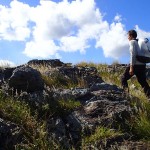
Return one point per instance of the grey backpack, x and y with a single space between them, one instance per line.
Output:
144 53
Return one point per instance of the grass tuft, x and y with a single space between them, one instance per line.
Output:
101 133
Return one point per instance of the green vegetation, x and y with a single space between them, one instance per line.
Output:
60 107
69 104
101 133
141 123
34 132
141 126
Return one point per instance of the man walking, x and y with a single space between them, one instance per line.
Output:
135 67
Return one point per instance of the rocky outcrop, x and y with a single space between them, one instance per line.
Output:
100 107
102 104
50 62
86 74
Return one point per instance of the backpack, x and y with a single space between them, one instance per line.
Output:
144 53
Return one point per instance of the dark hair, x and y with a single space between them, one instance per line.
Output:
132 33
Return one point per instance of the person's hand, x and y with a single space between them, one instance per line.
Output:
131 70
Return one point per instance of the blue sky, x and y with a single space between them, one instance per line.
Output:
72 31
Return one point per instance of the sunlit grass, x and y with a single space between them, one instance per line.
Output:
101 133
142 126
69 104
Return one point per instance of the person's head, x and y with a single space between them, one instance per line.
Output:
132 34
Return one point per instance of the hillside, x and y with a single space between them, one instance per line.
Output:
51 105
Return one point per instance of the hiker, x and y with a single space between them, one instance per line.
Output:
135 67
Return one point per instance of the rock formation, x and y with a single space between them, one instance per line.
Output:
102 104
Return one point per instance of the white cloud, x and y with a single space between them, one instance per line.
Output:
114 41
51 27
81 40
6 63
118 18
42 49
66 22
14 21
141 33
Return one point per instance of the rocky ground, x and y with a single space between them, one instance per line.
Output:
102 104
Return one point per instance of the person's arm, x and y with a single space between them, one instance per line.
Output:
131 71
132 56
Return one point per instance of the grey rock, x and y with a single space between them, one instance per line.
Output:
107 107
74 128
64 94
36 100
103 86
57 131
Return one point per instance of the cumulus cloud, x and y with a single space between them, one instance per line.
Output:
113 41
141 33
118 18
14 21
6 63
71 24
81 40
41 49
68 26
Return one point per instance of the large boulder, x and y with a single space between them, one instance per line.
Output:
27 79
